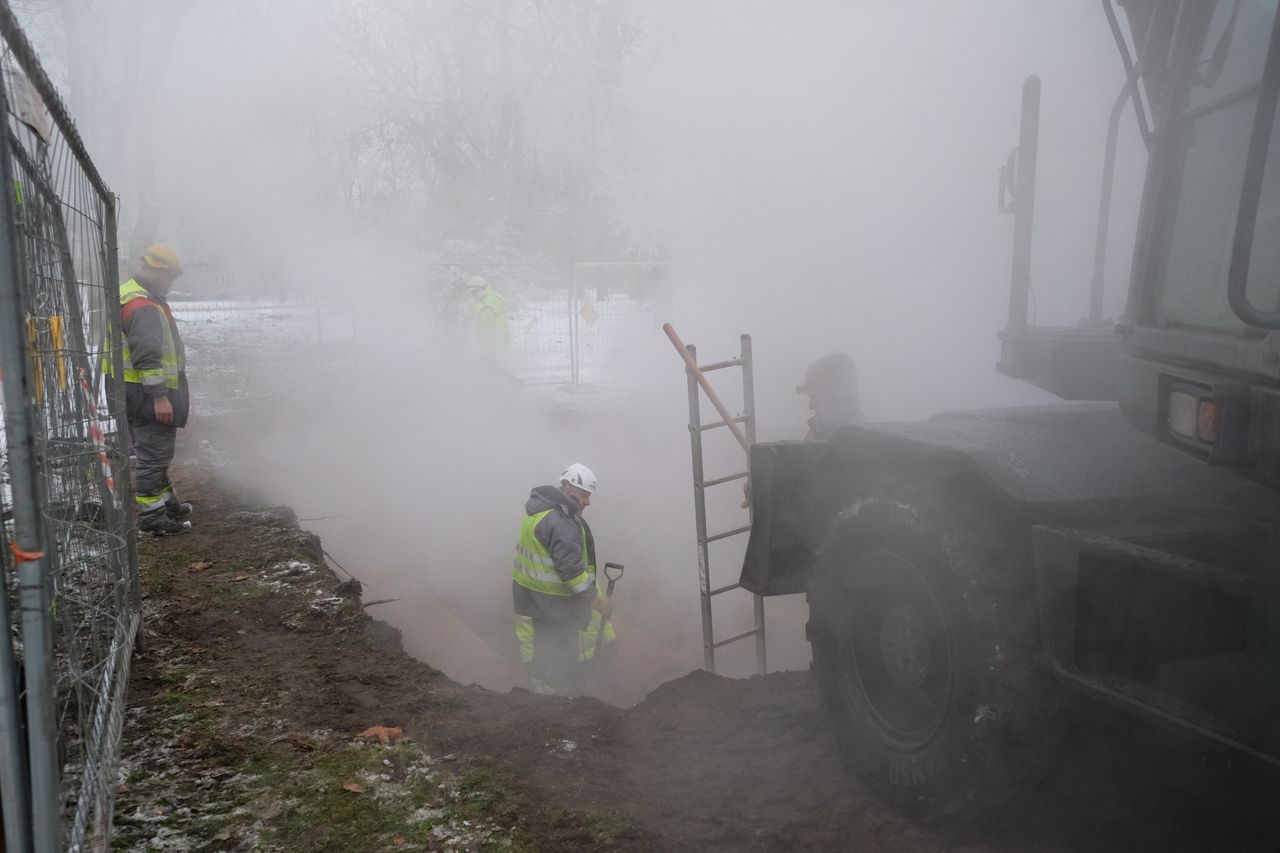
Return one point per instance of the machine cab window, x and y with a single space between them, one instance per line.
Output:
1210 135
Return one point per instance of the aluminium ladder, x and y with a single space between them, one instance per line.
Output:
700 486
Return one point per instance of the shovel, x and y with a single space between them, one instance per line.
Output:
614 577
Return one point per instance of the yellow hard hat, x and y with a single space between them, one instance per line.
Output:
161 257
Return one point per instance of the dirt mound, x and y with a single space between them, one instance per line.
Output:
261 671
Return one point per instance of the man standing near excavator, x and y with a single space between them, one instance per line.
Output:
157 399
831 383
553 585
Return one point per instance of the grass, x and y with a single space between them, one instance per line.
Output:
158 576
405 802
211 767
488 791
229 787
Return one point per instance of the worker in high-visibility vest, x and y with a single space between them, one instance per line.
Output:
489 333
559 609
157 398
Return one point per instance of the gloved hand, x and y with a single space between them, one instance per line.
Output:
603 605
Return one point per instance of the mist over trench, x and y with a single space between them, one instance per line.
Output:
821 176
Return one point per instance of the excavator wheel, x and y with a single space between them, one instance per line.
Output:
923 630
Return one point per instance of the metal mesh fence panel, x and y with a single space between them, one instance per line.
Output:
539 307
246 347
565 325
614 309
243 353
69 561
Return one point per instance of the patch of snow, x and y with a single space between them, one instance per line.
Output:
426 813
154 814
290 568
170 840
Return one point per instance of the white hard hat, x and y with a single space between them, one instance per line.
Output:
579 475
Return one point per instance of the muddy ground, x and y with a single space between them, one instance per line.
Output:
261 671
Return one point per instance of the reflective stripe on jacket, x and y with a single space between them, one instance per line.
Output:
134 298
587 637
535 570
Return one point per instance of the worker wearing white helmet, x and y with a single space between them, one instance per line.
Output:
558 607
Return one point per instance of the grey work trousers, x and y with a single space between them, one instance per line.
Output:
555 656
153 446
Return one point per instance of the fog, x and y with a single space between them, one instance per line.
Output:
820 175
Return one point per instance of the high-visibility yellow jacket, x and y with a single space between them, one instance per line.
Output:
588 637
489 322
552 556
153 351
153 354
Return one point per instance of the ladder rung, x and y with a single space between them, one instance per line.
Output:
720 365
718 643
728 588
718 480
729 533
740 419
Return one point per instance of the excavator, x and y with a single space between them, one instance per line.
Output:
974 577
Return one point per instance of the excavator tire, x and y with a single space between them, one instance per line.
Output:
924 636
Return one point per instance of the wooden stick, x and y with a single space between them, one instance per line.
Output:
706 386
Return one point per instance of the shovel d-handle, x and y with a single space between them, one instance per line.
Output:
613 571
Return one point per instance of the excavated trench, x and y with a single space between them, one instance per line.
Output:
703 763
689 760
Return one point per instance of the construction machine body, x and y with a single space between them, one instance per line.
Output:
962 570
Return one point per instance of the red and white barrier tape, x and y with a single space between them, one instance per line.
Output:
95 431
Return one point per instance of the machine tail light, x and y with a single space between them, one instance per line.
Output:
1193 417
1207 422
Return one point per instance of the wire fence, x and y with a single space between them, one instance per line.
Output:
615 307
568 324
243 353
538 317
70 581
576 324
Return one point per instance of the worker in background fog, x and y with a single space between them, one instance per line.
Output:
157 400
489 333
832 385
558 607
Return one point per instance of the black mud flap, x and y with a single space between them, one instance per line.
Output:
782 549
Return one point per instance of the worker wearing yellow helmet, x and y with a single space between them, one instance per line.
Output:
157 398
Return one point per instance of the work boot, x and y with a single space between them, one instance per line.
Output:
160 524
178 510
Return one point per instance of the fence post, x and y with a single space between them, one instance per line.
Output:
13 752
30 541
116 403
574 356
